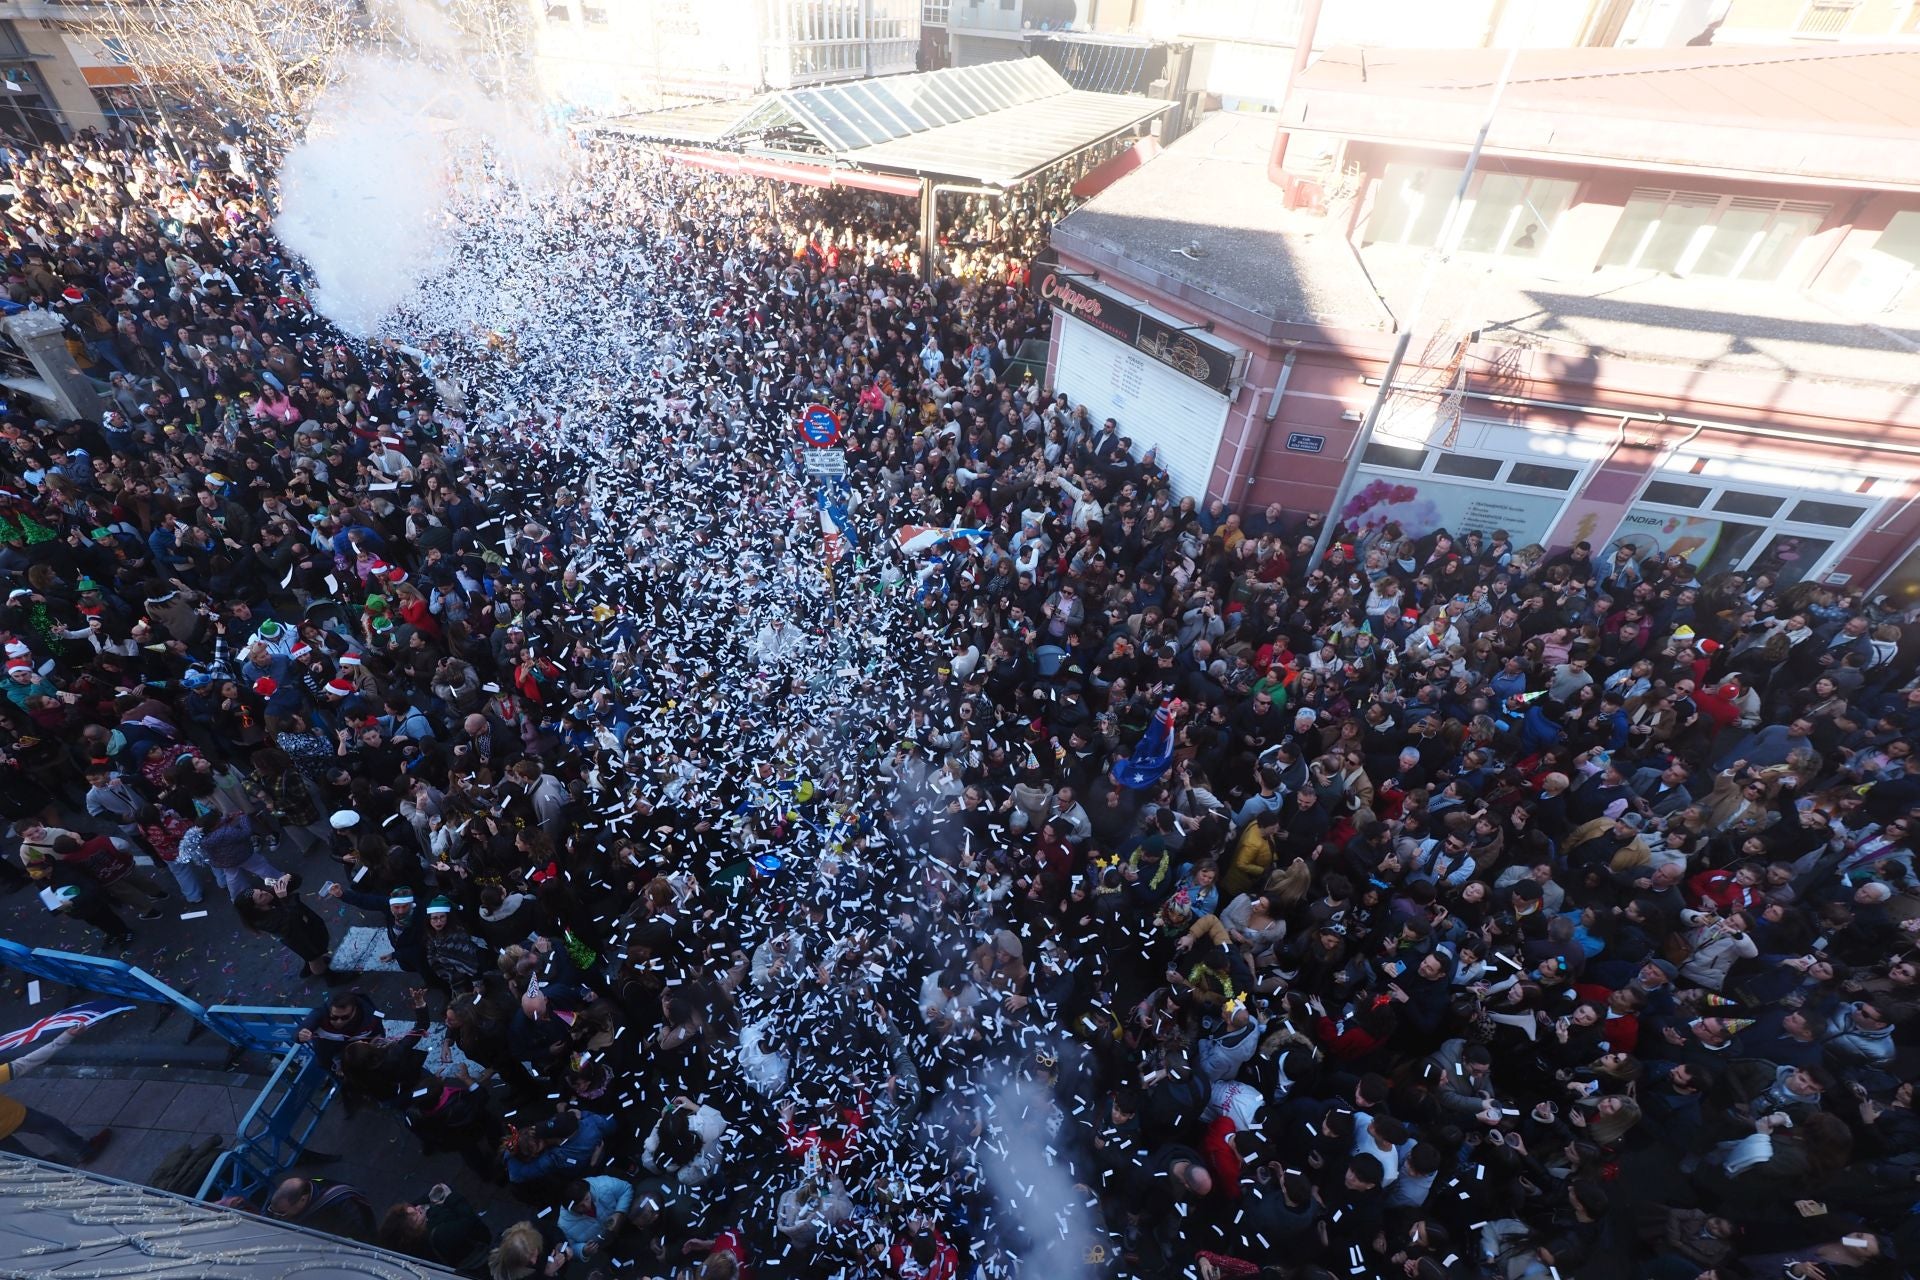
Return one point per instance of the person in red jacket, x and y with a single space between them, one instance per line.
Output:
830 1141
1223 1158
1622 1026
726 1256
1365 1032
1718 703
1725 888
922 1253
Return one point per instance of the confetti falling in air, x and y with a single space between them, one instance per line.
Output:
746 704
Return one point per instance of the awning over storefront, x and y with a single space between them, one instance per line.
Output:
1102 61
994 124
805 175
1108 172
109 77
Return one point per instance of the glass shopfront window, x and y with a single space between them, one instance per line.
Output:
1501 477
1722 521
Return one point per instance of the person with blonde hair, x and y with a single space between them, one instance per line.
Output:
1605 1119
523 1253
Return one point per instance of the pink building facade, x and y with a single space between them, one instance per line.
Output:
1664 349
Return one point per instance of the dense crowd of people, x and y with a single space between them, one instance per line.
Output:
1094 887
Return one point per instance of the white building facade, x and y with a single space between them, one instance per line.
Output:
606 55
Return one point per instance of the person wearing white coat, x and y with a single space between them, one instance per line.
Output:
685 1142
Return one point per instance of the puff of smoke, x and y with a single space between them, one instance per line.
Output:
1025 1169
368 195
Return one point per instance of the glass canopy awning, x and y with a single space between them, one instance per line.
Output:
996 123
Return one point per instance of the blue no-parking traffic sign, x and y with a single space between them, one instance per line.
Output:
820 427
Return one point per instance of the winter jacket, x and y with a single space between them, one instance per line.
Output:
709 1126
1460 1094
452 954
458 686
230 844
1222 1056
1625 856
1716 950
573 1156
1854 1045
1252 859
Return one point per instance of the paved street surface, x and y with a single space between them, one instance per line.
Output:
161 1081
154 1111
212 959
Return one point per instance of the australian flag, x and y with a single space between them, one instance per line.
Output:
1152 755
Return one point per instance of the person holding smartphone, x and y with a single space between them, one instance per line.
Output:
275 908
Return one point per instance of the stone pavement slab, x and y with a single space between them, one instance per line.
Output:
144 1103
201 1108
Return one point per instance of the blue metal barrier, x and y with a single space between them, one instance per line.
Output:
277 1127
266 1028
275 1130
96 973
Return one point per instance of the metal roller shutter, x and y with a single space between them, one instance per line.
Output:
1156 407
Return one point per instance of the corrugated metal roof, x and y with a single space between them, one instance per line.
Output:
994 123
1002 148
56 1221
701 122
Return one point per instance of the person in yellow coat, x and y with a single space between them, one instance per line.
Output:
17 1118
1252 856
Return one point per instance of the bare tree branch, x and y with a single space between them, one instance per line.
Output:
256 63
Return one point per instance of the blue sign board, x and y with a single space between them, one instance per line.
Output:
1298 443
820 427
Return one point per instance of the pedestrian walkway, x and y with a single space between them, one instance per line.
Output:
206 957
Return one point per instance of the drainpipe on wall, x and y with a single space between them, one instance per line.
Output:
1364 436
1230 491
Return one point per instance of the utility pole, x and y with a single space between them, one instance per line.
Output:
1302 55
1363 437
